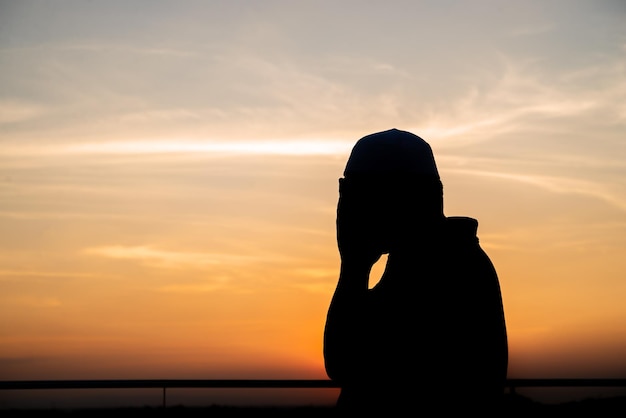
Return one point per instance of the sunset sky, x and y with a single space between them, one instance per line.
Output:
168 174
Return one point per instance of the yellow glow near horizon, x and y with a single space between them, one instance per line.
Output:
165 278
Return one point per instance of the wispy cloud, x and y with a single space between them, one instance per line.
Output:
38 273
523 99
555 184
192 288
99 47
299 101
168 259
37 215
37 302
186 146
532 30
12 111
296 147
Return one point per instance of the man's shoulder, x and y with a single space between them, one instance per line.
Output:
461 225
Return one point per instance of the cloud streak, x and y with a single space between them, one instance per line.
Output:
554 184
168 259
285 147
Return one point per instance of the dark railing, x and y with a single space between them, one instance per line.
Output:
164 384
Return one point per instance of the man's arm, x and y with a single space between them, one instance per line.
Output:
346 323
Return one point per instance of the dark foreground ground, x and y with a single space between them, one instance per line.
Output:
514 406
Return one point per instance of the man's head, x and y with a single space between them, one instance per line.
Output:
392 153
391 189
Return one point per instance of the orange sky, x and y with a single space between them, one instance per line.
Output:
167 203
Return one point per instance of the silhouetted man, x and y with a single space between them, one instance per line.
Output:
431 333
